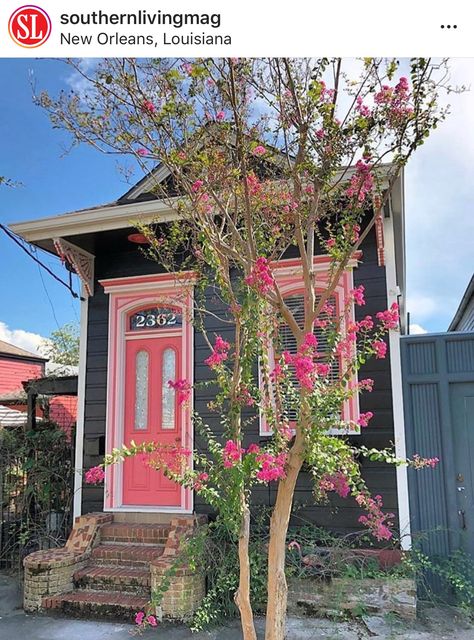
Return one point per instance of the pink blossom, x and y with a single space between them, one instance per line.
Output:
220 116
364 418
272 466
259 151
337 482
357 295
183 389
331 243
253 184
380 348
151 621
148 107
420 463
367 384
215 359
219 353
277 375
142 152
363 109
221 345
187 68
362 182
95 475
231 454
196 186
375 520
294 545
320 133
390 317
366 324
139 617
260 277
253 448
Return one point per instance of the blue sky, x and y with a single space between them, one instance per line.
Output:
439 204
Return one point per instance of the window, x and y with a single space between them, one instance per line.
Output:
141 390
289 275
167 392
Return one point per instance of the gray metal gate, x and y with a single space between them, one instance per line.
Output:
438 380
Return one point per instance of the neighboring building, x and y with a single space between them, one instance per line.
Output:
120 284
16 366
464 317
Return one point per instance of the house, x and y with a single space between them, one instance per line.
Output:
16 366
464 317
121 291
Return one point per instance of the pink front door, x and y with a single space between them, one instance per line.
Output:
151 413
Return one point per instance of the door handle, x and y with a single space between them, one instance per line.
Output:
461 488
463 518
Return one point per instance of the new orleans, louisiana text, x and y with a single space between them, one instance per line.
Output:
163 39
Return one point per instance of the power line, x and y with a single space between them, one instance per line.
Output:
17 241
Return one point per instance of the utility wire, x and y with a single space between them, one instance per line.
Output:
17 241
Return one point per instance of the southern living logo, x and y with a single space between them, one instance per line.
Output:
202 25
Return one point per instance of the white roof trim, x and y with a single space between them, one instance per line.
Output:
91 220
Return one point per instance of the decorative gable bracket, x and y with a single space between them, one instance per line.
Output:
80 260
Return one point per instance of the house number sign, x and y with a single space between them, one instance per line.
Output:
156 318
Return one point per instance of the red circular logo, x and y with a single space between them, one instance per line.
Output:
29 26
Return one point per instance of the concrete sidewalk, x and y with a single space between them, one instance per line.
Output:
435 624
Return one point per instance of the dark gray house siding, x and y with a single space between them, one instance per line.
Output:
341 516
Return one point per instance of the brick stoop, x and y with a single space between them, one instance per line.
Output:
94 604
126 555
103 578
111 572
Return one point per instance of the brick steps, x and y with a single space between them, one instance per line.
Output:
103 604
114 578
127 555
134 533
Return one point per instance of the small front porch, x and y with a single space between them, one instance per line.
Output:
111 565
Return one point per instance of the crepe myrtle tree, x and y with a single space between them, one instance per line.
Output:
266 157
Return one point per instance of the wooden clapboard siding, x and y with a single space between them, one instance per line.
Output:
340 515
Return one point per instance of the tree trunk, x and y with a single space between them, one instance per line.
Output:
277 587
242 596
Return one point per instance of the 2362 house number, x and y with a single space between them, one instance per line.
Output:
155 319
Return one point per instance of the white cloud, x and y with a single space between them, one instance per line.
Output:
421 306
24 339
416 329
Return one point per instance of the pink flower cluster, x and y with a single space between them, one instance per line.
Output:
390 317
200 480
420 463
380 348
142 152
148 107
142 620
337 482
231 454
396 100
364 418
219 353
197 186
375 520
306 369
95 475
259 151
362 108
260 277
183 389
362 182
272 466
357 295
